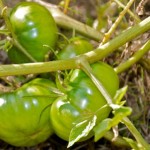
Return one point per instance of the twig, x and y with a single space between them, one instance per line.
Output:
66 6
119 140
114 26
129 11
136 134
135 58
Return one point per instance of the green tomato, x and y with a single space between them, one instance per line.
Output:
83 99
76 47
16 56
34 28
24 113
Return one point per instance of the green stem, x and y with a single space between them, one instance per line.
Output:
67 22
93 56
22 49
1 6
85 66
39 67
118 41
114 26
67 2
136 133
133 15
135 58
145 62
119 140
4 31
5 15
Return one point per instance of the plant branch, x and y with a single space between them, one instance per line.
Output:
22 49
4 31
67 2
92 56
119 141
118 41
136 133
67 22
85 66
4 14
145 62
135 58
114 26
129 11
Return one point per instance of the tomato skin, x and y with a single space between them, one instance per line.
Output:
83 99
16 56
103 72
62 115
25 114
76 47
34 28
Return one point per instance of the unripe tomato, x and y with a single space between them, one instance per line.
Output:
83 99
76 47
24 114
16 56
34 28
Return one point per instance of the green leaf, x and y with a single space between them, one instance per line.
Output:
119 113
81 130
122 112
120 94
102 128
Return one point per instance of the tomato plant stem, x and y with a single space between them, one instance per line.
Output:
145 62
132 60
119 140
22 49
133 15
92 56
136 133
67 2
118 20
1 5
39 67
67 22
88 70
118 41
4 31
4 14
85 66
